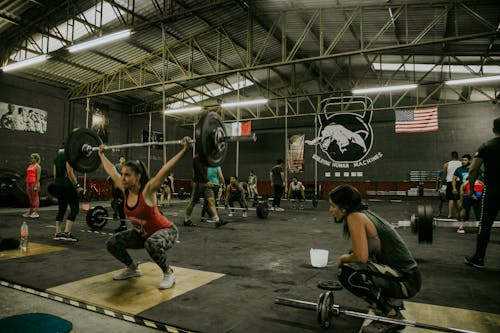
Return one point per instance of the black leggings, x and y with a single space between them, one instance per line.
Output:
490 208
378 284
66 195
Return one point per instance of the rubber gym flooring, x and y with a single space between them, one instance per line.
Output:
227 278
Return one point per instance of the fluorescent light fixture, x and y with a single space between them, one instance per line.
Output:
473 80
384 89
24 63
458 69
244 103
187 109
99 41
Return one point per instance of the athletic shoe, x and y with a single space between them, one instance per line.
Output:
203 219
474 262
168 281
34 215
383 327
26 215
127 273
245 214
279 209
68 236
230 214
461 230
188 223
220 223
58 236
120 229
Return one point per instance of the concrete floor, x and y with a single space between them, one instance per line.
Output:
260 259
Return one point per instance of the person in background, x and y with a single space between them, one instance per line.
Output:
66 189
235 192
215 179
117 203
277 177
448 172
253 192
167 189
468 202
380 268
152 231
489 155
33 173
296 192
459 177
201 188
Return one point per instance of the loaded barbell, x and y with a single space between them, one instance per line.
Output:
262 209
210 143
422 223
326 309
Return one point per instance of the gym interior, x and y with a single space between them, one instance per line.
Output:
294 71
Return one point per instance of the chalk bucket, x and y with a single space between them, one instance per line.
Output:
319 258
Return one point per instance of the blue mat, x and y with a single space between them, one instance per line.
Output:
34 322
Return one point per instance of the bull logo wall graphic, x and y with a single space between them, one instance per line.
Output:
345 138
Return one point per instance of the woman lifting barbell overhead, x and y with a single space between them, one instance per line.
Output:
380 268
152 231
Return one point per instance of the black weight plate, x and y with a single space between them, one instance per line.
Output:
425 228
96 217
319 308
262 210
330 285
326 312
79 160
210 137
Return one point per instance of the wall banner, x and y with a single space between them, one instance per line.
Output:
22 118
295 158
345 139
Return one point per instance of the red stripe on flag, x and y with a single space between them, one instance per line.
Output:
246 128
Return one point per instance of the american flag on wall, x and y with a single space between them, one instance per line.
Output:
417 120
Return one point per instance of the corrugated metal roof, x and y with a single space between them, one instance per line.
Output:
204 37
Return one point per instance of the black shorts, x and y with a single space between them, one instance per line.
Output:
449 192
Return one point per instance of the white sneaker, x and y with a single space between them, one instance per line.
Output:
26 215
230 214
279 209
34 215
245 214
461 230
127 273
168 281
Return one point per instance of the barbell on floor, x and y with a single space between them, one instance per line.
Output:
210 142
326 309
262 209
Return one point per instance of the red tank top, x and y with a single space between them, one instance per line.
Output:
31 174
154 219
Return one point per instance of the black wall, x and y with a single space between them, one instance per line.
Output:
462 128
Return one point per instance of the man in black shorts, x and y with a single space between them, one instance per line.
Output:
489 154
201 188
277 177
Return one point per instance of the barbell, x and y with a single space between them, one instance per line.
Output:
210 142
262 209
326 309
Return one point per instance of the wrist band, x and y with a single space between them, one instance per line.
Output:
77 185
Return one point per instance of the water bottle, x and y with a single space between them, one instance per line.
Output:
24 237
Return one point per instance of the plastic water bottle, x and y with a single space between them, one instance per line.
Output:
24 237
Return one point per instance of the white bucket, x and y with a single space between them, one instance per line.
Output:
319 258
